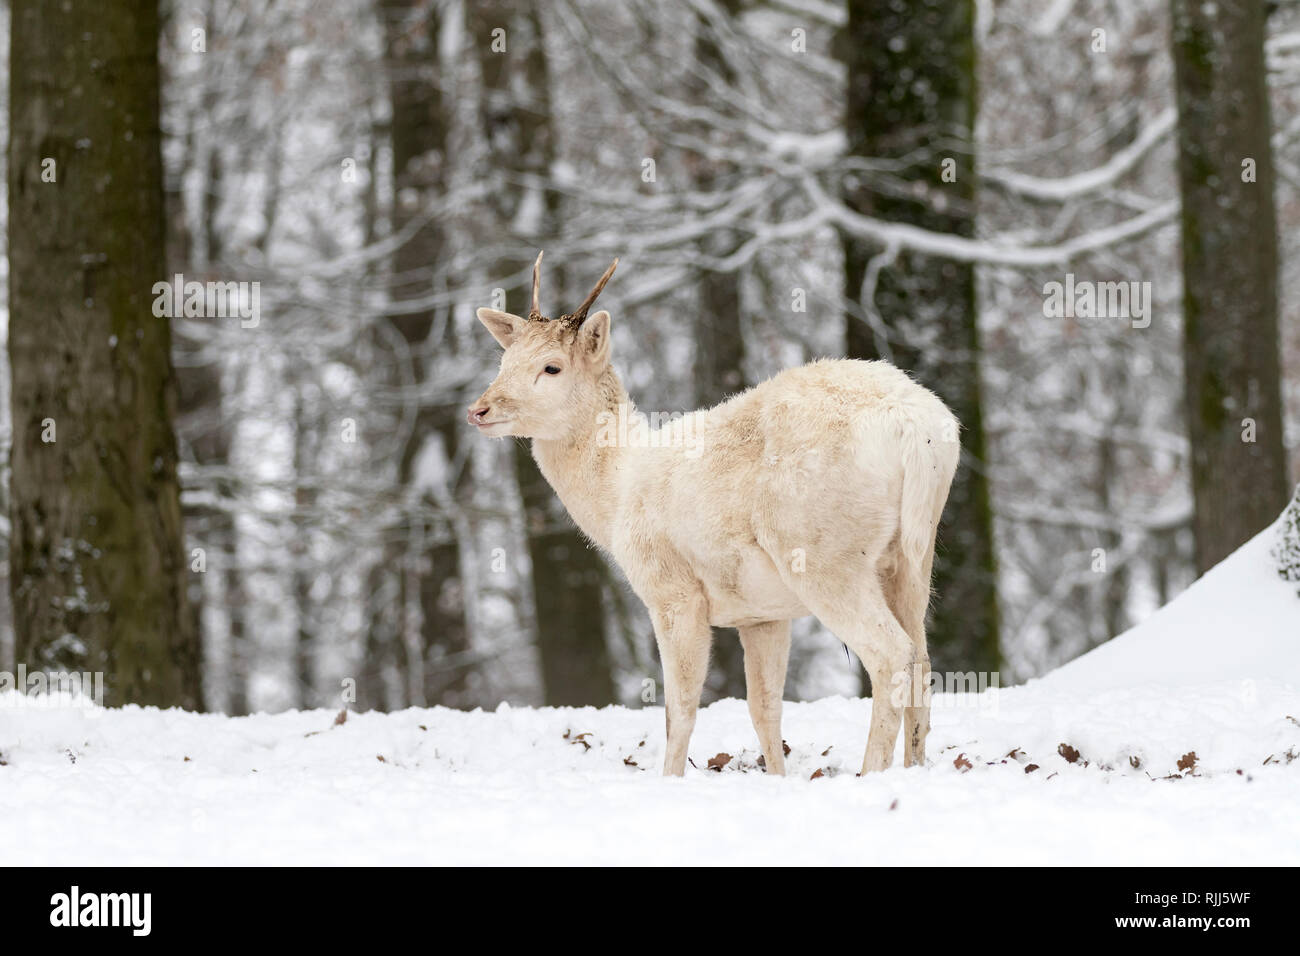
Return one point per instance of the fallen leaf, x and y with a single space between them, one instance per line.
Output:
1134 761
578 738
340 718
961 763
1069 753
1187 761
719 761
816 774
1030 767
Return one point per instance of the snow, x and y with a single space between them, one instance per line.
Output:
1213 673
1240 621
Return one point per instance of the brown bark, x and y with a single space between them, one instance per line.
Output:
568 576
415 576
98 568
911 97
1229 230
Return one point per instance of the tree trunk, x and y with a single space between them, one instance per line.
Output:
205 434
305 453
911 98
1230 340
98 567
569 577
568 588
425 616
719 368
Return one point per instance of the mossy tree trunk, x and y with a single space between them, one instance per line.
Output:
98 568
911 99
1229 231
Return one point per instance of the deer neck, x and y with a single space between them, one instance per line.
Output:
584 469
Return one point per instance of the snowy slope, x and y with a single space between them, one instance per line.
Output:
1214 674
1240 620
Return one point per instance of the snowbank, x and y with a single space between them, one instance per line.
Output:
1176 743
1240 621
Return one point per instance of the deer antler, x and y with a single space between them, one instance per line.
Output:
579 315
535 313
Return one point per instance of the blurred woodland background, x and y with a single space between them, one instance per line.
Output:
782 180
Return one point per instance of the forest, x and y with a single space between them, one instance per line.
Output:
245 242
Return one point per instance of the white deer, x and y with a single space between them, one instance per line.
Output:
818 491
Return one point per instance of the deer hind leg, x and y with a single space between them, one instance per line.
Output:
851 602
767 652
886 653
908 594
683 635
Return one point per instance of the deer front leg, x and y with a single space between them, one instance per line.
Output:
683 635
767 652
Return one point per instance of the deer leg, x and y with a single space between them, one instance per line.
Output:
908 593
916 719
683 635
860 616
886 652
767 651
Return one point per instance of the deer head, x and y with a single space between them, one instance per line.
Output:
549 383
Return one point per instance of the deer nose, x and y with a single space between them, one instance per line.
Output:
476 415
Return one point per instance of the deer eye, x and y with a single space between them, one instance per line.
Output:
552 370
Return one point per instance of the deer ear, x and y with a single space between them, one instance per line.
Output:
503 326
593 337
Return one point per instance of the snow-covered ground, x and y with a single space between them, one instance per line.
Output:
1175 743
